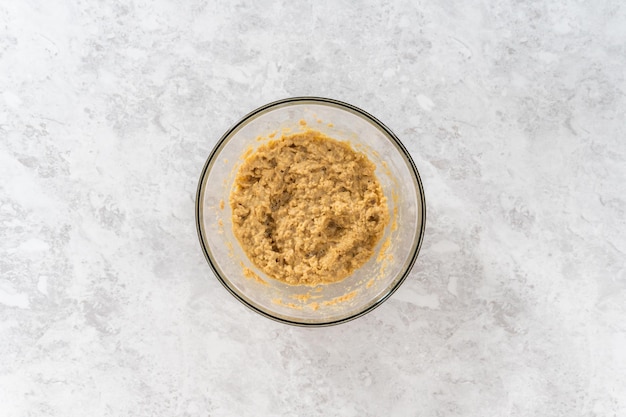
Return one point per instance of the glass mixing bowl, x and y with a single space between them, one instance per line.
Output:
367 287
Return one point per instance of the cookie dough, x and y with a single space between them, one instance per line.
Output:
308 209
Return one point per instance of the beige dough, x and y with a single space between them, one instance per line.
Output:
308 209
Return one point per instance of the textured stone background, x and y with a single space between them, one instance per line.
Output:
513 111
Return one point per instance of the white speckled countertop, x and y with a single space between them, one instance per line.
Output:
513 111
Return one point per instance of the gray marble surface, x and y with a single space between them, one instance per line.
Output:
514 112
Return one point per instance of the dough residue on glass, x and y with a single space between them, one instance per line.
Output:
308 209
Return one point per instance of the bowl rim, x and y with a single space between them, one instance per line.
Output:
345 106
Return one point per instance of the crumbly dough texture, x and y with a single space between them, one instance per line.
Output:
308 209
